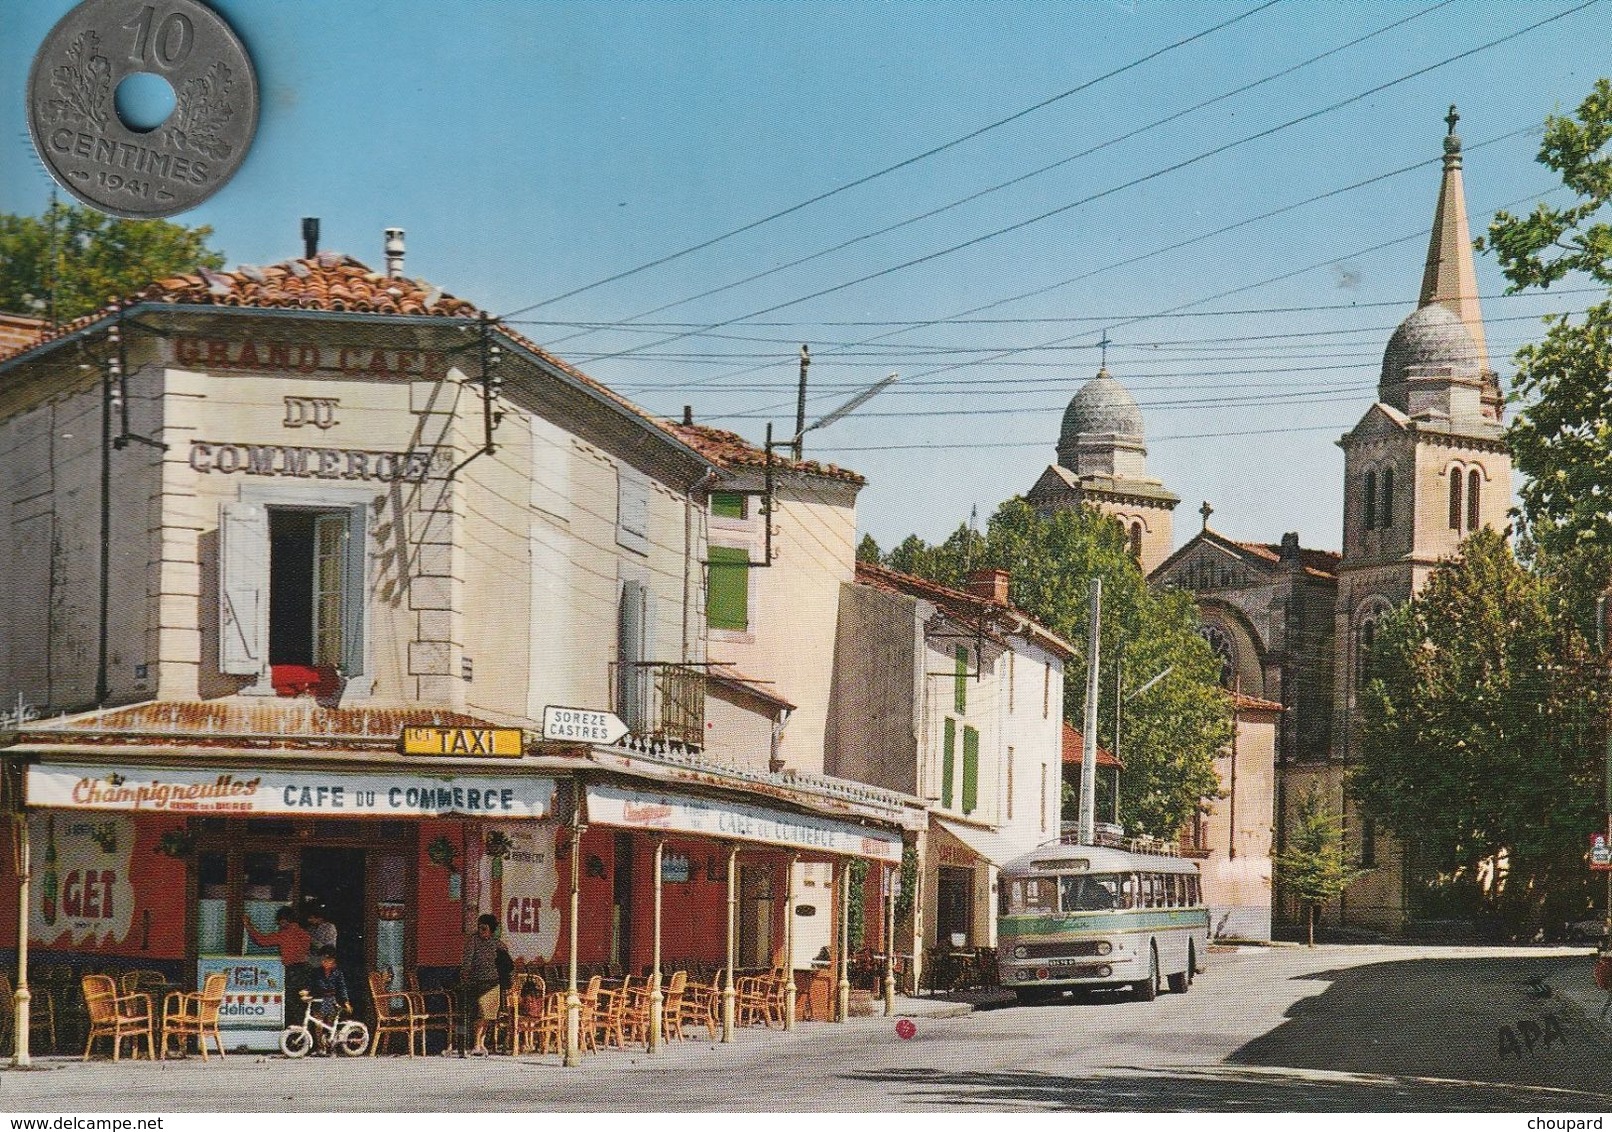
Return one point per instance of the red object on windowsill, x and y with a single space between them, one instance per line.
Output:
304 679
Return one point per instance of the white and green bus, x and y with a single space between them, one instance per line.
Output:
1089 916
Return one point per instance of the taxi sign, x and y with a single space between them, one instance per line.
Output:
500 742
582 724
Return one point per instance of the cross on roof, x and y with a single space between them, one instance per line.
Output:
1452 118
1206 511
1105 343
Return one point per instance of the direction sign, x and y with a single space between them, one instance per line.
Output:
584 724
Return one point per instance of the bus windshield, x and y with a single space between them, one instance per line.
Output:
1029 896
1094 892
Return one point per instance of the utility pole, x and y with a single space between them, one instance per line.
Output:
1603 637
798 446
1088 749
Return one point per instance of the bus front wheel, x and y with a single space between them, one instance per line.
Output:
1148 989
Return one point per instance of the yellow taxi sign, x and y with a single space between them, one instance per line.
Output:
497 742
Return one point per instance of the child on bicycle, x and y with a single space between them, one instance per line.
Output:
328 990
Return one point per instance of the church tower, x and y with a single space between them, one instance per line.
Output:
1102 464
1426 466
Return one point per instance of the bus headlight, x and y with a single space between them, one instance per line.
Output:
1104 947
1020 951
1104 971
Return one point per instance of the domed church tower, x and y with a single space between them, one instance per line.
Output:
1102 463
1425 467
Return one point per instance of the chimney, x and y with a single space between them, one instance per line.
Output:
310 237
688 415
990 584
1290 546
394 253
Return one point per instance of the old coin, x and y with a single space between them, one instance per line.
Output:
73 117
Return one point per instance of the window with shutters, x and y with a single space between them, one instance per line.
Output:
1369 495
1474 480
727 589
291 593
632 509
728 505
1455 497
635 675
948 762
971 770
1385 508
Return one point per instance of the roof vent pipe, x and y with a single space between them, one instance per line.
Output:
394 253
310 237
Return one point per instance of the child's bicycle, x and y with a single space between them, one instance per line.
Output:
349 1036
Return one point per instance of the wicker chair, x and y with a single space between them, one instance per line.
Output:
115 1016
41 1017
186 1016
438 1006
396 1012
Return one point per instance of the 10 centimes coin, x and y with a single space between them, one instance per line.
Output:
111 166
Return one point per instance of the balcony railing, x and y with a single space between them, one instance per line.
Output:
663 706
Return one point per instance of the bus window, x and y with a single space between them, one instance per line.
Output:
1096 892
1032 896
1172 891
1129 890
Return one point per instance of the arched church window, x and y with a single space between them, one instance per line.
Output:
1136 540
1455 499
1473 480
1370 495
1221 645
1385 508
1363 665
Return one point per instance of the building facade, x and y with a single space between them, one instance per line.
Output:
955 697
319 583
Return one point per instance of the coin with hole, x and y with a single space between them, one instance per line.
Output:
142 109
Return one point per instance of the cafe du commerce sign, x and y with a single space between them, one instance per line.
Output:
283 792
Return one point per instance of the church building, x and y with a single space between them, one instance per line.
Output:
1425 466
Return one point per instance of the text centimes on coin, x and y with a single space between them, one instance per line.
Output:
125 155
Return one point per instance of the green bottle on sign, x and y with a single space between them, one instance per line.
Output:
48 888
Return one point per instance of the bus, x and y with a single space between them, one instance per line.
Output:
1091 916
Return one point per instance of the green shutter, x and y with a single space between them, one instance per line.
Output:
971 769
960 684
727 505
948 758
727 588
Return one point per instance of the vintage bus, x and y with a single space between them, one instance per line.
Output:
1089 916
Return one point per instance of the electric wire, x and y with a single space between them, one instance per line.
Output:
904 163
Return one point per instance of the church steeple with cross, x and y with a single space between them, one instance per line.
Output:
1450 277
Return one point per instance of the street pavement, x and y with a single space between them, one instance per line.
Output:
1337 1028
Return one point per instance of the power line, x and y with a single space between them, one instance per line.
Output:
1043 444
1132 183
1001 185
942 148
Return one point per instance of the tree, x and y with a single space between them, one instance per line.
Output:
1481 735
1314 867
72 260
867 550
1561 439
1172 733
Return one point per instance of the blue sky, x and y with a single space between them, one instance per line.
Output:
532 149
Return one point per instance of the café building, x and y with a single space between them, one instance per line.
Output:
300 558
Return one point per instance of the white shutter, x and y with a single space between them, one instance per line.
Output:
551 468
632 509
243 589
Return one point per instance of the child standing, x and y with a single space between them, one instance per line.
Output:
329 993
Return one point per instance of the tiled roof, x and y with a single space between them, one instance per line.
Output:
18 330
1242 702
730 450
1074 744
330 281
958 603
1320 562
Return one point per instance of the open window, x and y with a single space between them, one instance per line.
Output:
291 594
